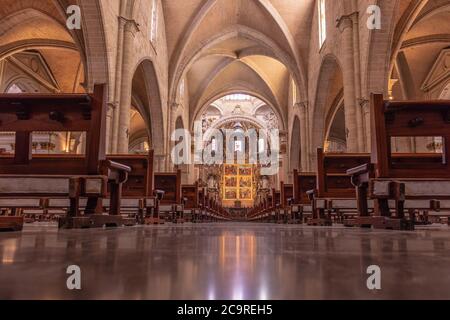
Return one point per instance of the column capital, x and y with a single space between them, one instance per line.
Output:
347 21
303 105
174 106
363 102
130 25
112 104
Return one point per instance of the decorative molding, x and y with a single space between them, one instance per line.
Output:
346 21
174 106
363 102
33 65
434 38
112 105
130 25
439 73
302 105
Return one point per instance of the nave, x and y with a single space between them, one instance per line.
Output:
224 149
229 261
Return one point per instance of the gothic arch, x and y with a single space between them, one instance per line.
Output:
230 91
273 51
152 109
329 69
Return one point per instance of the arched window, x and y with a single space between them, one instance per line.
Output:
261 145
294 93
322 22
154 21
14 88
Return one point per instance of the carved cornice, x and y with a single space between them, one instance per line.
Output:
363 102
302 105
130 25
347 21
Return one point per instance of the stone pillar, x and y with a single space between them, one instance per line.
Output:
173 111
126 85
365 108
353 125
160 163
109 125
358 83
304 150
117 86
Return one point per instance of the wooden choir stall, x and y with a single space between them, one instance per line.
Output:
77 183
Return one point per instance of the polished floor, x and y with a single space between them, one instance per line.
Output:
225 261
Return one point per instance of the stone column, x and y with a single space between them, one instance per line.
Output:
365 108
130 29
173 111
109 125
160 163
358 83
304 150
117 86
353 125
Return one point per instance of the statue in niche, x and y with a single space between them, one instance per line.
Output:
212 182
264 183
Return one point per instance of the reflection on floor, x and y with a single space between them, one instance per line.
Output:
224 261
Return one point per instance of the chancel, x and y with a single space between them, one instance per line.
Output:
224 150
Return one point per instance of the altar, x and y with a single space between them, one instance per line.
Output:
238 186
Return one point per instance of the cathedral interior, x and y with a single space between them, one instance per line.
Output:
225 149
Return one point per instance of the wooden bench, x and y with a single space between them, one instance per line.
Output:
191 200
171 206
335 193
138 199
26 176
411 182
286 200
303 183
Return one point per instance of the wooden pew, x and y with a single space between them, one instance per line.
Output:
191 200
203 194
286 200
24 176
335 193
274 213
303 183
138 199
412 182
171 204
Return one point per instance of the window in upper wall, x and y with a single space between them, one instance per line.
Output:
294 93
182 88
322 22
154 21
14 88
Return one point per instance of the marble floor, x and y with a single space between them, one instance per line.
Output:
225 261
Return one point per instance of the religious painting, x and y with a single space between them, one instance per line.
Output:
231 170
230 194
231 182
245 171
238 182
245 194
245 182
